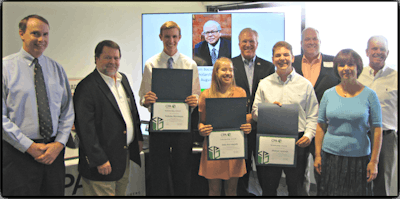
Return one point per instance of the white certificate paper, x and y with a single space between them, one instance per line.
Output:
170 116
226 145
276 150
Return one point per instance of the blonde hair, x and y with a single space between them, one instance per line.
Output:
215 87
169 25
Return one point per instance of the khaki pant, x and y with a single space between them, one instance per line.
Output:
107 188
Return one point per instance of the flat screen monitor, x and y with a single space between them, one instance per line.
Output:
270 27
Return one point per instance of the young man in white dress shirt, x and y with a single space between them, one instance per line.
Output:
160 143
285 86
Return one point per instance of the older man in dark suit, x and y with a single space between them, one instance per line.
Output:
214 46
318 69
108 125
249 70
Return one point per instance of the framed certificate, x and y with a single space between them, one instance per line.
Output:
229 144
276 150
171 84
170 117
226 115
273 119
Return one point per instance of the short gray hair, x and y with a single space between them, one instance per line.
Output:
249 30
212 22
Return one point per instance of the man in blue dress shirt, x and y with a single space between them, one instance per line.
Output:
33 164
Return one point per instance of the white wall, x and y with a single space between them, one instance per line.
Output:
77 27
350 24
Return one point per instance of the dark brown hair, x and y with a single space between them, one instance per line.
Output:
347 56
24 21
99 48
282 44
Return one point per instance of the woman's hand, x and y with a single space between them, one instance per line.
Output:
317 164
205 130
246 128
372 171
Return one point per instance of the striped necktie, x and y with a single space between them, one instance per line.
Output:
169 64
213 56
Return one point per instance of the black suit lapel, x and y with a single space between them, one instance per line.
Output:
221 46
206 53
322 73
242 76
298 61
256 77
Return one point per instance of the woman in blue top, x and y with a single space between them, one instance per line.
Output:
347 112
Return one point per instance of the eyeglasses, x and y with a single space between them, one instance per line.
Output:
212 32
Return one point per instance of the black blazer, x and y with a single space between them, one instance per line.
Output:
262 68
202 51
326 78
102 130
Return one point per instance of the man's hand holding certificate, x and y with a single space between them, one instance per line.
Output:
277 134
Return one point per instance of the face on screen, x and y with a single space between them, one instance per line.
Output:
211 34
248 45
170 38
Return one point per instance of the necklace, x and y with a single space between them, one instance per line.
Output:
344 93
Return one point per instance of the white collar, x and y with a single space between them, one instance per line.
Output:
253 59
210 47
290 77
371 70
165 57
109 80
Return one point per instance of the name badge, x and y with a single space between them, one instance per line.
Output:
328 64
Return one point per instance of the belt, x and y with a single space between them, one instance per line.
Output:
385 132
44 140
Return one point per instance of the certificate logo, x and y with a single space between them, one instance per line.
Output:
169 106
158 123
263 157
214 152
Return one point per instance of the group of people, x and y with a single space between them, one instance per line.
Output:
348 108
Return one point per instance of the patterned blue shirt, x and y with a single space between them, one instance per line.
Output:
20 113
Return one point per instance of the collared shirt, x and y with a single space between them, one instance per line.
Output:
181 61
311 69
210 47
384 83
20 112
120 96
249 68
295 90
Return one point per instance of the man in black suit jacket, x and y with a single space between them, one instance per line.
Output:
258 69
322 79
212 35
108 125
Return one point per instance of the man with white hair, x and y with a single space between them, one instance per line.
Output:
214 46
383 80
